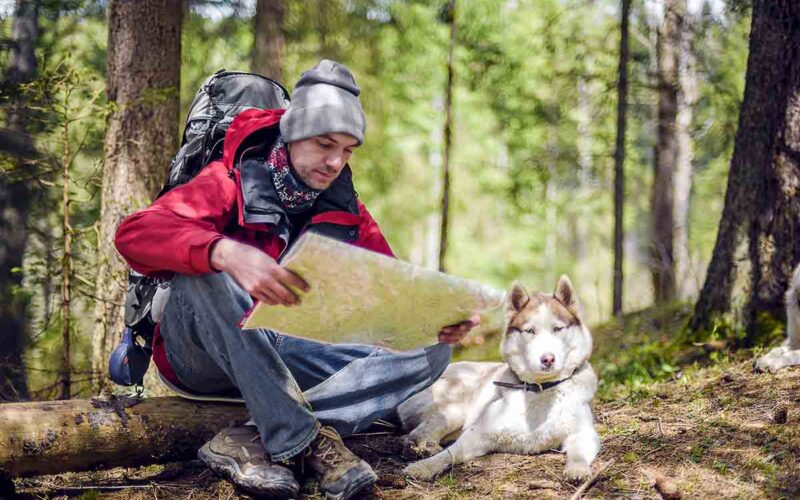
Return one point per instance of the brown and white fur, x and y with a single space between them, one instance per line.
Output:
788 353
545 340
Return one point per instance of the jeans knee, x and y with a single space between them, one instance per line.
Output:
438 358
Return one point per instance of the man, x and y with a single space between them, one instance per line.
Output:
219 237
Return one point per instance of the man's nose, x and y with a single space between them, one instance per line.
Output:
335 161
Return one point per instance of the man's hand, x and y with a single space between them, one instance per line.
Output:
453 334
257 272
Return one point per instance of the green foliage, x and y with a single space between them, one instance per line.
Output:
766 330
532 165
65 111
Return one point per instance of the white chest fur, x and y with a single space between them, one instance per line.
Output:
498 419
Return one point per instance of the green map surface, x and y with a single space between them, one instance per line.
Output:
359 296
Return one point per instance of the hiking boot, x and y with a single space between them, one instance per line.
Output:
340 473
237 454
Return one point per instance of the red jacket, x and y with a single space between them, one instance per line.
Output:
175 234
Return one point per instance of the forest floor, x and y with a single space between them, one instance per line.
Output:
710 429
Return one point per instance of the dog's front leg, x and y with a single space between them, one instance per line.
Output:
581 448
778 358
469 445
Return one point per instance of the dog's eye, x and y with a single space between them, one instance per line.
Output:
532 331
557 329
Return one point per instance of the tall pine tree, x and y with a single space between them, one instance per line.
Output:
758 241
143 78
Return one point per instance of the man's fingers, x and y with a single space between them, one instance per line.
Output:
264 297
289 278
284 295
450 339
463 327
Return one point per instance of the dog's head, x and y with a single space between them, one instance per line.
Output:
545 338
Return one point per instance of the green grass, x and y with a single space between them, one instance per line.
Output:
648 346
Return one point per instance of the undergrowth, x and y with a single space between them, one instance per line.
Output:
654 345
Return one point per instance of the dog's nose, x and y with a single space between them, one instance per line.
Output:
547 360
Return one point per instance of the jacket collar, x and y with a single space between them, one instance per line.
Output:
247 141
243 126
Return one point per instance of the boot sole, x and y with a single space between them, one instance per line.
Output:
359 484
228 468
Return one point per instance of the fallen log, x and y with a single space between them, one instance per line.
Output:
59 436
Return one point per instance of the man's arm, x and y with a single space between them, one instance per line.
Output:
176 233
369 233
453 334
257 272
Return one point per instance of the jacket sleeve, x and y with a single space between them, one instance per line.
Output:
175 234
370 235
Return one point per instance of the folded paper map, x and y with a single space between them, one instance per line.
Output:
359 296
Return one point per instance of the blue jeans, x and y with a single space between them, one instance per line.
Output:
289 384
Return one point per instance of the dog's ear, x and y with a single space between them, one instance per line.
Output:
517 298
565 293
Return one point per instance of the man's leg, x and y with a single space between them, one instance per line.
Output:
349 386
210 353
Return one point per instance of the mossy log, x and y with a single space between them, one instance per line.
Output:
59 436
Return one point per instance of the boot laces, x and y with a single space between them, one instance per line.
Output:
326 452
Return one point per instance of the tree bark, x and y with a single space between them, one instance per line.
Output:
143 72
448 138
668 49
60 436
269 37
15 205
66 265
761 212
619 159
687 98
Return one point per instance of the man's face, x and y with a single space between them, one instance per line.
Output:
319 159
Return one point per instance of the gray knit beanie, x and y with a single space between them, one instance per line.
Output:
325 100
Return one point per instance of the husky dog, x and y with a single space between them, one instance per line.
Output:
538 399
788 353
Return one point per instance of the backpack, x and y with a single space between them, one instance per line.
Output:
221 97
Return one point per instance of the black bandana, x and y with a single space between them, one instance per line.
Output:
295 195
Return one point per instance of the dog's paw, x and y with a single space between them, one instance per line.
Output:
768 364
423 449
421 470
577 471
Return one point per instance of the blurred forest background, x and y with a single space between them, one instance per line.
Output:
516 99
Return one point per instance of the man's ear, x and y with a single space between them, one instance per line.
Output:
517 298
565 293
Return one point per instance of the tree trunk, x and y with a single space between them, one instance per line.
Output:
66 266
15 205
60 436
619 159
761 212
143 71
668 49
448 138
269 39
687 98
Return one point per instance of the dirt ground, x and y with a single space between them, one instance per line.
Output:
716 432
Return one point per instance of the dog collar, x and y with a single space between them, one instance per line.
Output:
533 387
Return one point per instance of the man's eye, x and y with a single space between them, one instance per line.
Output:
325 145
